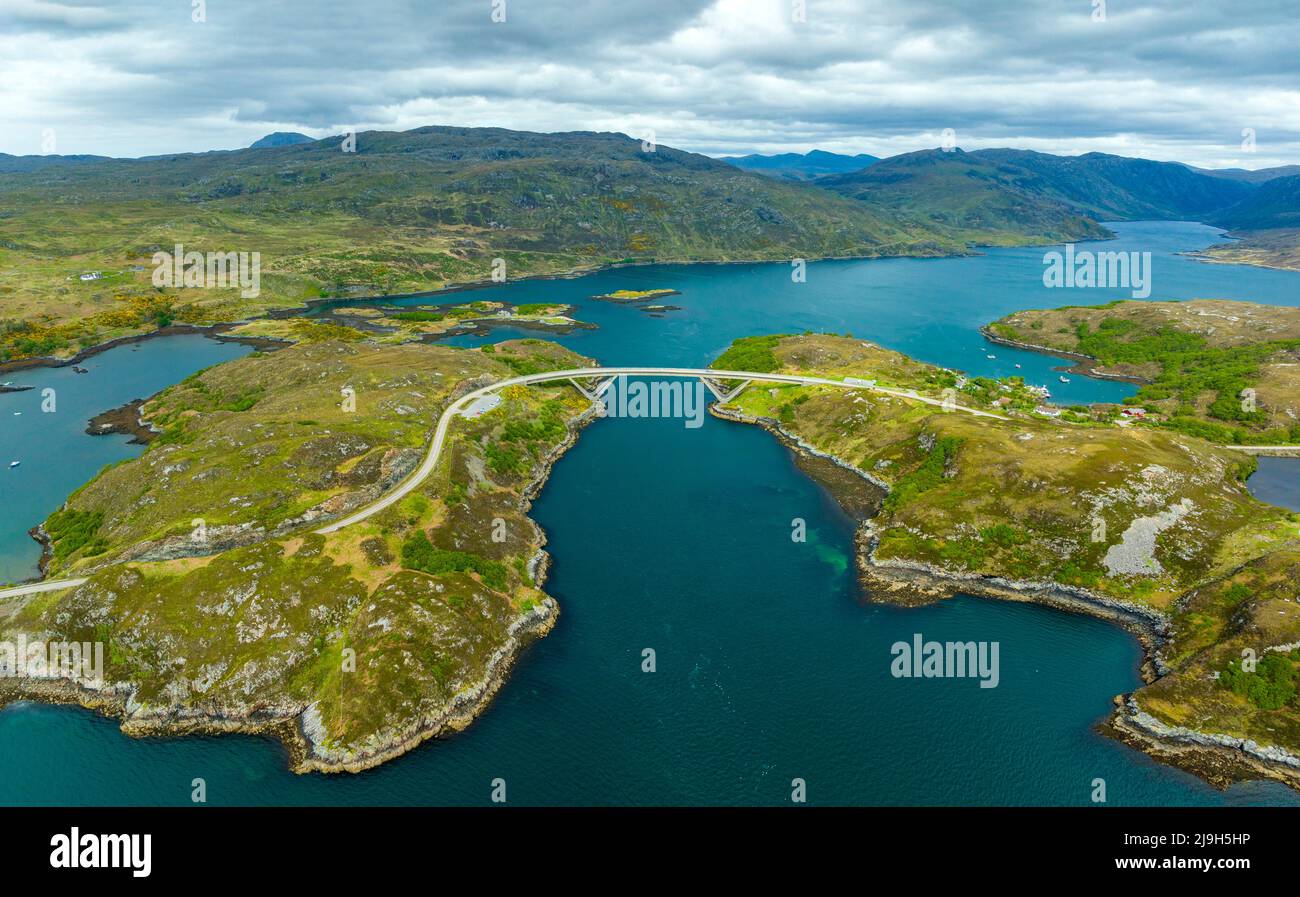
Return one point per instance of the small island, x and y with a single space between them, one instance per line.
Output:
634 296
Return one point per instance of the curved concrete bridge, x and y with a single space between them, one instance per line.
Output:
604 376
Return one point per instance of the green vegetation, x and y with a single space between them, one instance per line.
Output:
1222 371
636 295
750 353
925 476
538 308
258 446
1033 500
440 205
418 553
418 316
1270 686
71 531
369 638
1189 366
957 481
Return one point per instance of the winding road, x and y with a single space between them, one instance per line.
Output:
434 452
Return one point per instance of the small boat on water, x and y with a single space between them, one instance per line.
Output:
992 357
1017 366
1064 379
13 464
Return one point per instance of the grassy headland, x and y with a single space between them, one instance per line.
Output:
1226 371
1154 528
222 610
1266 248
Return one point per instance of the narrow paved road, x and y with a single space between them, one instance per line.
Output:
420 474
52 585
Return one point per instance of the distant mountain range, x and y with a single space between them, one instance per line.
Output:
1258 176
9 164
967 195
801 166
1276 204
413 211
1004 195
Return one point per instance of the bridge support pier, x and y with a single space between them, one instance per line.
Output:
722 395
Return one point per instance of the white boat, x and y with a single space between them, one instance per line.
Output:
14 463
1064 379
1017 366
992 357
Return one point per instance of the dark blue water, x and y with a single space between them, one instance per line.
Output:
56 454
931 309
1277 481
770 666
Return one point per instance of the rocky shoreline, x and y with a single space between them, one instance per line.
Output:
1220 760
304 737
298 728
485 326
217 332
125 419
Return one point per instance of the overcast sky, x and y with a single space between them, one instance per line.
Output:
1164 79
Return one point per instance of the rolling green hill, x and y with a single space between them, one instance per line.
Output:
1276 204
1109 187
967 196
1008 197
407 212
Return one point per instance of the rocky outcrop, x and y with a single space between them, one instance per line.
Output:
1219 759
396 466
309 745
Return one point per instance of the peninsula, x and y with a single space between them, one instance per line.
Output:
1151 528
1225 371
224 609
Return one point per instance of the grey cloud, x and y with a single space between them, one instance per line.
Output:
1166 78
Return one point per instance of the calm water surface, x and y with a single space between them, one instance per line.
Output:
770 666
